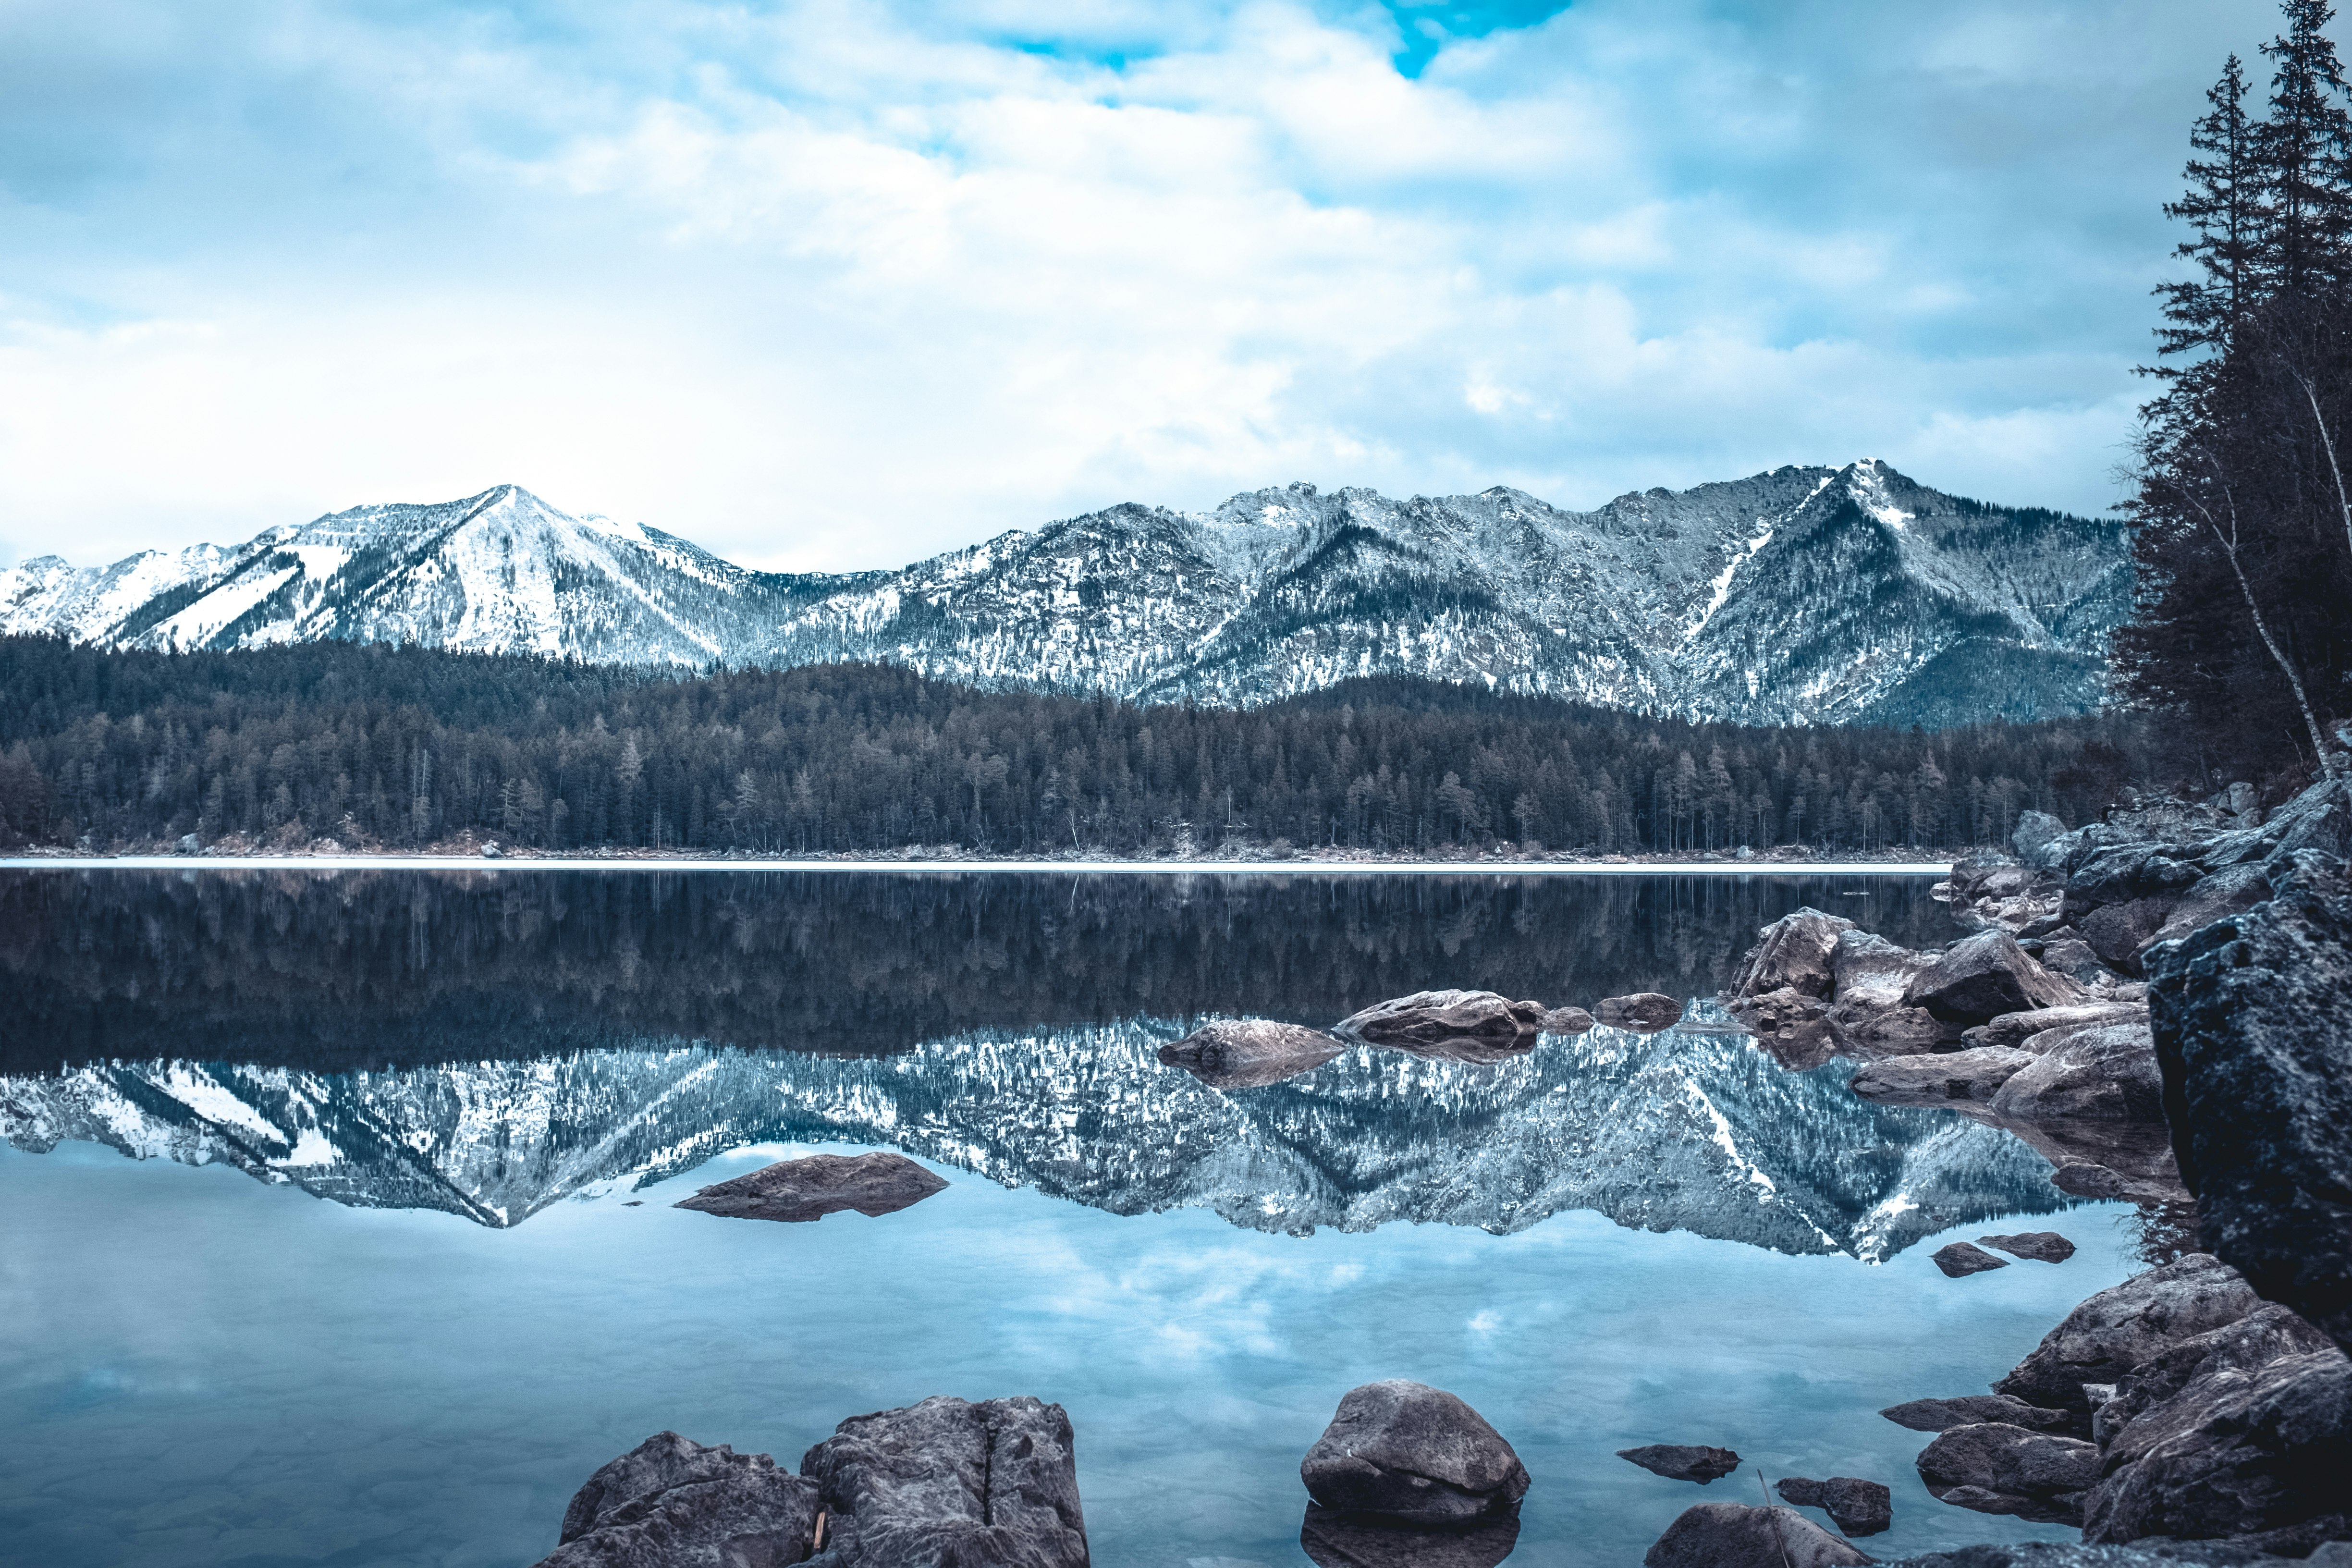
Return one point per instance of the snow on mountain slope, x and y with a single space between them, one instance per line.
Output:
1804 595
1681 1131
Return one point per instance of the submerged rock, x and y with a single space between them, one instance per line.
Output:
1855 1506
1412 1454
2040 1245
2121 1327
1250 1053
1334 1539
1644 1011
1970 1409
2254 1029
1684 1461
947 1482
1958 1260
1427 1017
670 1502
796 1190
1734 1535
1998 1469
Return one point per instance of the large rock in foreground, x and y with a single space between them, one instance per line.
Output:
1429 1017
797 1190
1998 1469
670 1502
1795 953
1417 1454
1250 1053
944 1483
2125 1325
1734 1535
2252 1020
1855 1506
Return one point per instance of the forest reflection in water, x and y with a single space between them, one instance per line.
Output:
331 971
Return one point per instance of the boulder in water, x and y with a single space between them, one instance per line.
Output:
800 1190
1735 1535
1684 1461
1998 1469
1855 1506
1959 1261
1980 977
1793 954
2106 1072
670 1502
2039 1246
1972 1409
1644 1011
1411 1454
1426 1017
946 1481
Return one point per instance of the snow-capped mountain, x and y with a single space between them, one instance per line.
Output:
1805 594
1683 1130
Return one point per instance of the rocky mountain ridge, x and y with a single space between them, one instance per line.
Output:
1804 595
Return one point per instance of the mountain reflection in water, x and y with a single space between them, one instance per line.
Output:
554 1032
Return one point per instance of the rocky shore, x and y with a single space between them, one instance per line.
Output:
2160 1003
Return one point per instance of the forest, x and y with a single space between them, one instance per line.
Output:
372 746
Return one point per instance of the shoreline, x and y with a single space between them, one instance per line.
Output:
1298 867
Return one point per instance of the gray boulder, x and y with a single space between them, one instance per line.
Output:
2252 1020
1684 1461
947 1484
1734 1535
1644 1011
1250 1053
1958 1260
1998 1469
1334 1539
1972 1409
1855 1506
2268 1333
670 1502
796 1190
2036 832
1412 1454
1426 1017
2232 889
189 844
1794 953
1974 1075
2119 1328
2049 1023
2040 1246
2117 932
1868 971
2106 1073
1980 977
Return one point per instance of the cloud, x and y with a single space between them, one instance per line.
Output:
825 285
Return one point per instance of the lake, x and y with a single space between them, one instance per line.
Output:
338 1224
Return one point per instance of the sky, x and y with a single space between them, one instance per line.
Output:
824 286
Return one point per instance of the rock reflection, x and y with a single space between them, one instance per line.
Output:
1347 1541
1250 1053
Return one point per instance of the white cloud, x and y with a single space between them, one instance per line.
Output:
834 286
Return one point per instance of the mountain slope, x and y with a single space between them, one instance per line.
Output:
1803 595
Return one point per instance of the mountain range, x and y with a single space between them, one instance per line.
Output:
1801 595
1689 1130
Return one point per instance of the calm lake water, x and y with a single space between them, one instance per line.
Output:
391 1266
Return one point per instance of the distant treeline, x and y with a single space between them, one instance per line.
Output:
402 747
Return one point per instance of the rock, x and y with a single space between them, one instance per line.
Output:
2074 1554
2040 1245
2015 1029
946 1482
2263 1454
1734 1535
1684 1461
1788 1018
1428 1016
1868 971
1971 1409
1974 1075
2117 932
1998 1469
1334 1539
1410 1453
2232 889
1567 1021
799 1190
2065 953
1250 1053
2036 832
2253 1021
1960 1259
1891 1032
1644 1011
1794 954
189 845
1855 1506
1979 977
490 850
2106 1073
2112 1332
672 1503
2268 1333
